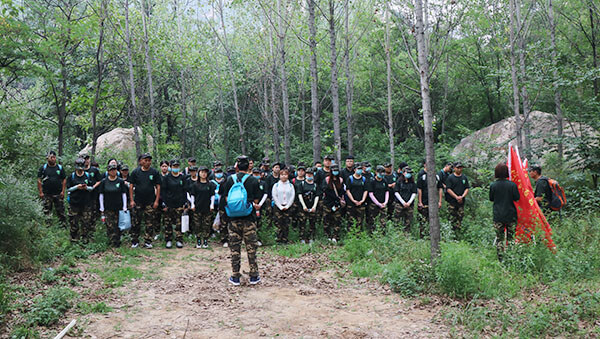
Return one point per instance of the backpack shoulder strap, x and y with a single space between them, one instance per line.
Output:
45 166
245 177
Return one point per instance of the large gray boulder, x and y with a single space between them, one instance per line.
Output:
491 143
117 141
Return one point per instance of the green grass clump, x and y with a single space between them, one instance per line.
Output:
48 309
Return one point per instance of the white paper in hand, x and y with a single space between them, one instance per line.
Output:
217 222
185 223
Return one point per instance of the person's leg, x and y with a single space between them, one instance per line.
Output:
236 233
362 210
408 218
251 241
59 206
205 224
500 239
74 223
423 217
150 221
453 218
398 213
87 231
328 221
136 227
170 217
337 220
112 228
178 233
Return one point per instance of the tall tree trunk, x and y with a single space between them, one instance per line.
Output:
349 79
274 110
302 99
594 47
388 64
557 92
513 74
523 80
434 221
222 111
284 88
100 71
182 82
314 95
265 111
134 113
334 83
238 116
145 20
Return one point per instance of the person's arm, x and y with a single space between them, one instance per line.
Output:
275 196
315 204
516 194
373 199
420 196
132 203
412 198
441 193
491 195
101 200
400 198
157 188
191 199
212 202
124 197
39 185
301 199
387 198
64 185
452 194
264 198
291 196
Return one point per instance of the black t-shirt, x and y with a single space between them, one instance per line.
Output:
252 189
297 182
308 191
175 190
330 198
345 173
113 193
422 185
95 175
504 193
378 188
52 178
356 188
390 178
406 189
542 189
202 191
270 180
458 185
320 176
443 176
144 183
79 197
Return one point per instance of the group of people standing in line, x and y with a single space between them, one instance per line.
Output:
286 196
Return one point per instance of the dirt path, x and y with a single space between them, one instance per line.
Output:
302 297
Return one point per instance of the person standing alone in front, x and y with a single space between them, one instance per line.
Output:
504 193
145 182
51 187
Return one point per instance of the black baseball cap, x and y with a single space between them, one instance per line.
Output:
146 156
124 167
218 170
175 162
111 167
217 163
79 163
335 167
458 164
310 170
380 169
84 156
387 164
202 168
194 168
350 157
256 170
329 157
191 159
50 153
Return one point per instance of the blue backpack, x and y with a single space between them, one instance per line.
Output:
218 184
237 199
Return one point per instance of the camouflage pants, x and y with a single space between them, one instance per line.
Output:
456 215
203 224
376 216
331 222
148 215
243 230
79 221
173 218
391 207
307 231
357 215
224 228
112 228
404 216
282 221
423 217
504 234
95 210
50 201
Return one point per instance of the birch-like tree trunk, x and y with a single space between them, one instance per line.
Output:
147 56
434 221
349 78
100 71
284 89
314 83
513 74
275 115
335 100
134 113
557 91
388 64
523 80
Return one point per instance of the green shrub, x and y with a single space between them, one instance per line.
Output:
24 332
48 309
6 298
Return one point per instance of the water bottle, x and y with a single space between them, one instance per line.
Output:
103 218
258 214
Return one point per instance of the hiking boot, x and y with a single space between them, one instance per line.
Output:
179 244
254 280
205 244
198 243
134 245
148 245
235 281
169 244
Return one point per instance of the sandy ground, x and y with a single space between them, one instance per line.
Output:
308 297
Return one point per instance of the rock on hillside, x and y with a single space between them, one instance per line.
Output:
491 143
116 141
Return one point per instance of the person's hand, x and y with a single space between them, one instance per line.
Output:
41 195
460 200
164 209
406 205
62 195
421 205
82 186
212 208
306 209
194 209
440 204
155 205
124 209
132 204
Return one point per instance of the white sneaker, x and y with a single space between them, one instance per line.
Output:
156 237
169 244
179 244
329 239
311 241
334 241
302 241
259 243
147 245
225 244
135 245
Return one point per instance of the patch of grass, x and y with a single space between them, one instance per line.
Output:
24 332
47 309
117 276
296 250
87 308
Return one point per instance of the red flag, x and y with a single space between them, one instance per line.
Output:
530 216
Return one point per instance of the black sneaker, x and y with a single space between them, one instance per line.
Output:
254 280
235 281
205 244
198 243
179 244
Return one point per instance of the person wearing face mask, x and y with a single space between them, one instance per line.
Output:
391 178
79 188
406 192
357 192
296 209
145 182
112 161
367 171
423 198
262 186
211 173
457 188
112 199
218 181
379 193
283 194
333 200
317 166
308 198
201 196
51 185
173 185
